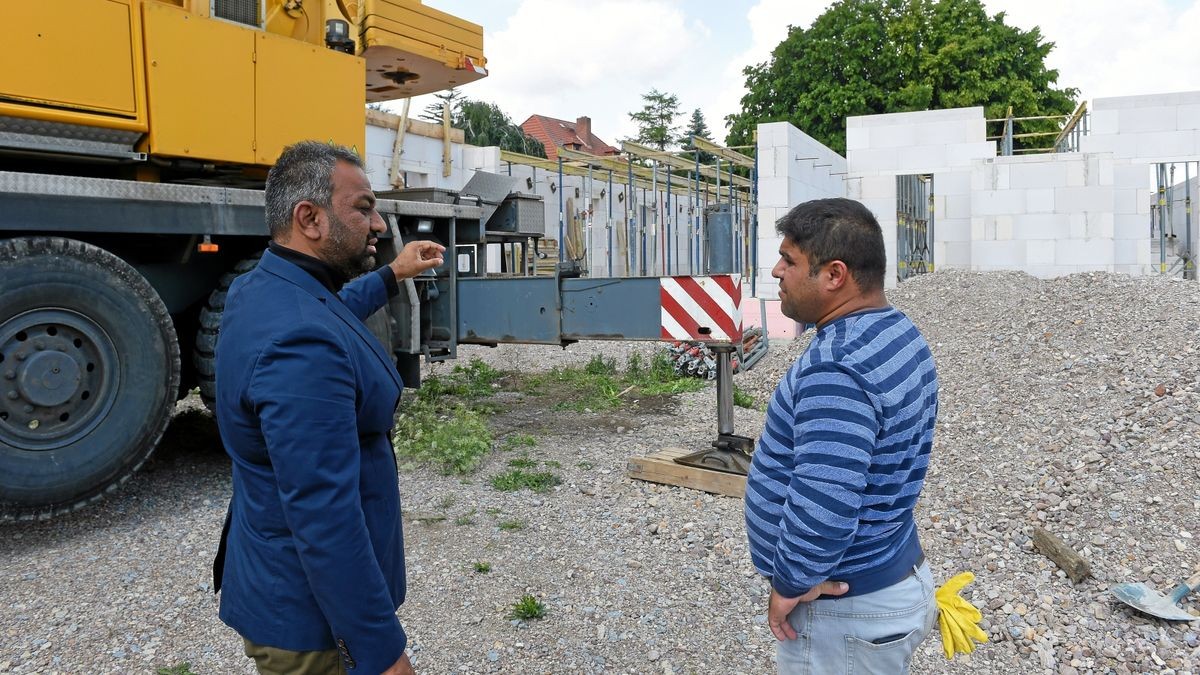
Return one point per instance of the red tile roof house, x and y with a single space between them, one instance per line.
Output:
555 134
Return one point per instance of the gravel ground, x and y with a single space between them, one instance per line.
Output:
1073 404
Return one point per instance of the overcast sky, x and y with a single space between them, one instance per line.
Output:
567 58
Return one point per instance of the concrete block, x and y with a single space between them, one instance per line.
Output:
952 182
854 187
857 138
956 254
1147 119
1142 246
999 254
892 136
1039 201
872 160
998 202
1106 170
1003 177
1103 122
1084 252
878 187
964 154
1041 175
1166 145
1041 226
1131 226
1049 271
1079 172
979 225
1100 225
921 158
950 132
1080 199
1004 228
1125 251
1125 201
956 206
1039 252
1187 117
1078 225
1132 175
952 229
773 191
1144 199
919 117
1122 146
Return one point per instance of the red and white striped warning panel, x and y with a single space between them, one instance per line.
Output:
707 309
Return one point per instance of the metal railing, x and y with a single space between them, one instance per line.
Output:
1067 137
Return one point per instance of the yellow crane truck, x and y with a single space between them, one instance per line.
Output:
135 137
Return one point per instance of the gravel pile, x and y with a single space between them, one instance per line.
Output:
1071 404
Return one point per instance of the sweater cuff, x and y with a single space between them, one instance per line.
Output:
389 281
786 590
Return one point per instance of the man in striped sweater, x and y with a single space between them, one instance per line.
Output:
842 458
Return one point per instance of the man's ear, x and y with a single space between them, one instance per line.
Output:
836 275
306 218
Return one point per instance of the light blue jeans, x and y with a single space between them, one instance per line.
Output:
874 633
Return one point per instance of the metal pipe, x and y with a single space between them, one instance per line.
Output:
642 230
1189 262
630 217
754 232
1162 230
654 192
587 224
610 222
724 389
670 220
562 232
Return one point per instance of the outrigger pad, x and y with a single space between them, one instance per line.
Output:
730 453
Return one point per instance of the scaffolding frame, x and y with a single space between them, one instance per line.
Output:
653 225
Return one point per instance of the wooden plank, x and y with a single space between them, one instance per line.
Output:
661 468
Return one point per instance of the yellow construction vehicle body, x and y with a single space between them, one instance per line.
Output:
185 81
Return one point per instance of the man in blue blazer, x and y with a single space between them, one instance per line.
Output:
311 563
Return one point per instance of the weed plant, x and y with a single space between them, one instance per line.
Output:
527 608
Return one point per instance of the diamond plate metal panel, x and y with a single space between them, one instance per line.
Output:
77 139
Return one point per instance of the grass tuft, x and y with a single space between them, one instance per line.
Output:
528 607
517 479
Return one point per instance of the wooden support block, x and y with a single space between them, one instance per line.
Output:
1064 556
661 468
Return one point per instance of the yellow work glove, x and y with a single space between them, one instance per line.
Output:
958 618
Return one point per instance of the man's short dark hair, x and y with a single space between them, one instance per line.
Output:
838 229
304 172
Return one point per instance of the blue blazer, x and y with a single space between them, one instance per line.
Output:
306 398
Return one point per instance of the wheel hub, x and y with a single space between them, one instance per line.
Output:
49 379
58 372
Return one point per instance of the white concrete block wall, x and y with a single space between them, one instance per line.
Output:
802 169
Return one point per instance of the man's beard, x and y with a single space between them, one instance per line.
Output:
346 255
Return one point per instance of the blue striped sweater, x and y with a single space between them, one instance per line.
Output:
842 458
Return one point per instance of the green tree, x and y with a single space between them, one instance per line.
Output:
698 127
485 124
864 57
656 120
433 112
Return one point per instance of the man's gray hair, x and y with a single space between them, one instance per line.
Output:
304 172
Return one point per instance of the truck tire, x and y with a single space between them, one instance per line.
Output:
89 368
204 356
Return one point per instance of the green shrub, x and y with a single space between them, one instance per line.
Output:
454 439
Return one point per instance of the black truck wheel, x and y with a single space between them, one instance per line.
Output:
89 368
204 357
